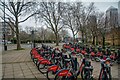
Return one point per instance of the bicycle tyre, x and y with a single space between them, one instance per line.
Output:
103 76
62 78
85 75
50 75
42 68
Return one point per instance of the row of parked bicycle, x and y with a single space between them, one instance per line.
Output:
94 53
60 66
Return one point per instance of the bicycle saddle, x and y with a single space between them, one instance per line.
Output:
45 52
67 60
57 57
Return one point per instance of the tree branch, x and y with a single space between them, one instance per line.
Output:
13 7
12 27
7 14
28 17
9 24
48 27
60 28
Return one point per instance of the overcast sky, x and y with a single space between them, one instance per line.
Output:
103 6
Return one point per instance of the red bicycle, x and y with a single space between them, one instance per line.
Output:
71 73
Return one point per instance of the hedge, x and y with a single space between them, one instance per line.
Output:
40 41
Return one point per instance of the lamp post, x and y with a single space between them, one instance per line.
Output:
33 38
4 32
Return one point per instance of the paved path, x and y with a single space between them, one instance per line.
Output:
18 64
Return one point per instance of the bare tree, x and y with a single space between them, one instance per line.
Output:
82 16
70 19
14 12
92 22
114 28
101 27
51 13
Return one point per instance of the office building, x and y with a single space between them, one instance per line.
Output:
112 17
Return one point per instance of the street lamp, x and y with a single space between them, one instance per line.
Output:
33 38
4 32
32 34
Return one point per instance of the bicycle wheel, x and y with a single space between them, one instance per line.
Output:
32 57
50 75
64 74
43 68
31 54
109 73
88 76
62 78
103 76
83 75
91 78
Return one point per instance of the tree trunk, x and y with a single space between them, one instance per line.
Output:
96 40
57 39
93 40
73 35
82 36
17 35
86 38
103 42
113 39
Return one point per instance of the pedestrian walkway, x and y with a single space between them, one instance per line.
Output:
17 64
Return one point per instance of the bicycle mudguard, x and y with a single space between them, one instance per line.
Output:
54 68
37 55
72 49
45 61
78 50
34 49
34 52
83 52
64 72
92 54
40 58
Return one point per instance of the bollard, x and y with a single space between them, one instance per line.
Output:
5 47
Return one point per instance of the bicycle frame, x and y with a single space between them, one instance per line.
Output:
68 73
105 72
